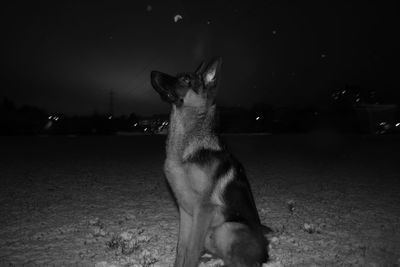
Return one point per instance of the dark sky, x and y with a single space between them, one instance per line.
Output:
67 56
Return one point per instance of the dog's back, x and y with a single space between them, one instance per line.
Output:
217 209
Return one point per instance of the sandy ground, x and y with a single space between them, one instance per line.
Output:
103 201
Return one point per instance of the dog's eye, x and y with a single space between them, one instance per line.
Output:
186 80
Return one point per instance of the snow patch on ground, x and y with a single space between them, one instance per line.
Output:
103 201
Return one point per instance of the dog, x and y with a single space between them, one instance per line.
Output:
216 207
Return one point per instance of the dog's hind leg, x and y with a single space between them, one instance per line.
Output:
202 218
185 226
237 245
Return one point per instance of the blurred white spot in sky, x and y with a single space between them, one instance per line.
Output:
149 8
258 117
323 55
274 32
177 18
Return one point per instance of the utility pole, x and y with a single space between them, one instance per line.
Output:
111 105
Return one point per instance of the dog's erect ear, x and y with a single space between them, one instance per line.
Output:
164 84
212 73
200 68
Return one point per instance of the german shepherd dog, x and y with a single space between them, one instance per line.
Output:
216 207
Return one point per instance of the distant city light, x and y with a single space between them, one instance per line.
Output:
145 129
53 117
136 124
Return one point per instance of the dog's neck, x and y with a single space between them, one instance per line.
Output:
190 130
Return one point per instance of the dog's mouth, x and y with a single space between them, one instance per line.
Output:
164 85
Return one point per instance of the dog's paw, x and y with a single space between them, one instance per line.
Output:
207 260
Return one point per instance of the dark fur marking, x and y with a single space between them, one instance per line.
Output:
205 156
240 205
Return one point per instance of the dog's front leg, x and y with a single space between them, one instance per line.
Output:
201 222
185 226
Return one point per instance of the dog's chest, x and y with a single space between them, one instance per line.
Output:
189 182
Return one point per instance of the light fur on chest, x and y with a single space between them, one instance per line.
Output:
190 131
190 182
188 134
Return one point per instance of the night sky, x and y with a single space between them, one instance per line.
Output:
67 56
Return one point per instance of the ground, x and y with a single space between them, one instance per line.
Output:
102 201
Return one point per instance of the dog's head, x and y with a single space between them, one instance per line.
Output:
189 89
